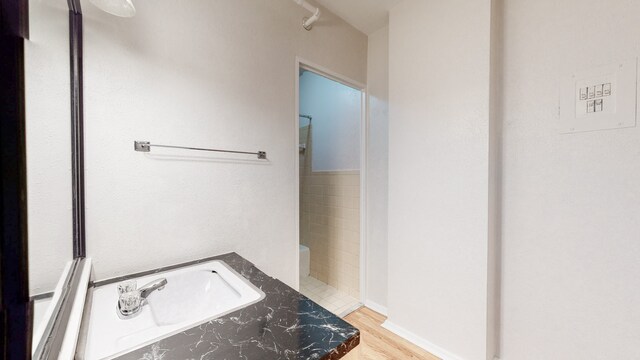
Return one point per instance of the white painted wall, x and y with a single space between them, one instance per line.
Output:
377 168
211 74
48 132
336 110
571 215
439 70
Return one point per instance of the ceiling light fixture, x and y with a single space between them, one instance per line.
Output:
122 8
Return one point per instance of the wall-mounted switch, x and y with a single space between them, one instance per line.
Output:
599 105
584 93
599 90
600 98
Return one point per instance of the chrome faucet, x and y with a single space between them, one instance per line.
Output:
131 300
146 290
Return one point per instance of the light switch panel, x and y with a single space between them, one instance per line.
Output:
601 98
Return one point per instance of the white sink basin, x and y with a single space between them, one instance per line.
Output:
193 295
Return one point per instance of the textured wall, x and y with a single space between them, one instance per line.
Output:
200 73
439 81
48 126
571 219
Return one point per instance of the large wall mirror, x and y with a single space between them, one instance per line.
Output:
49 175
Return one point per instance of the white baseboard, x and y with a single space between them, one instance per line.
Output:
415 339
376 307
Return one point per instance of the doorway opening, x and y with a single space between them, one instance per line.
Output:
331 159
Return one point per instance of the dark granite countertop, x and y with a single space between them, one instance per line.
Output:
284 325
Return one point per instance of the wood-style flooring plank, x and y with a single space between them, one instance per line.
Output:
378 343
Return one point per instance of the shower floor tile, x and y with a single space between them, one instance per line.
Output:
327 296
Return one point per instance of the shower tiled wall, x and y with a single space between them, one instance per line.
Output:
330 222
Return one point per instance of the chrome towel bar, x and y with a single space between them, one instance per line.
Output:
145 146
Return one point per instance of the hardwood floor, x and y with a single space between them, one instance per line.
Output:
378 343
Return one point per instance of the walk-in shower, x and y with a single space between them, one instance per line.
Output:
329 160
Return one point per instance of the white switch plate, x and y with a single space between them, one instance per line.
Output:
601 98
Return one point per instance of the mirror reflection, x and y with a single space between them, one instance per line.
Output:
49 156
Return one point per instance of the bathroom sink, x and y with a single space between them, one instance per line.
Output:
192 295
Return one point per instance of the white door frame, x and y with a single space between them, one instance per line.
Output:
318 69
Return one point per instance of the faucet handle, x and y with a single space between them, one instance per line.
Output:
127 286
129 303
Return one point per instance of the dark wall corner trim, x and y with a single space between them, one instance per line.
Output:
74 6
77 128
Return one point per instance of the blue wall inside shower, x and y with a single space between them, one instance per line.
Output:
336 111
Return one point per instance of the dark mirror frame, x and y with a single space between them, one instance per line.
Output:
77 127
16 307
15 304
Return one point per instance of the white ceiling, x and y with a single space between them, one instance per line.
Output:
365 15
